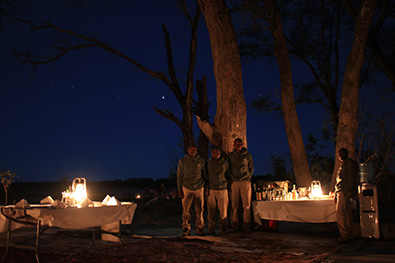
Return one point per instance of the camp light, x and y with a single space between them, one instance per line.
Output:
316 190
78 190
76 194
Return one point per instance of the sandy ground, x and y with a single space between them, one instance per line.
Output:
166 245
155 236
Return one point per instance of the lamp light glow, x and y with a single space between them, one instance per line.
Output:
316 190
77 194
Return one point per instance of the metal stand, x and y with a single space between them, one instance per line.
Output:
39 231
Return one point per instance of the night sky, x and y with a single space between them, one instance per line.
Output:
90 113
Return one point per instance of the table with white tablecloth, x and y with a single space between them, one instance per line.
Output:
73 217
301 210
108 217
79 218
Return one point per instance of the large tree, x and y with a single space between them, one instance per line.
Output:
292 127
184 96
230 120
312 33
318 35
348 119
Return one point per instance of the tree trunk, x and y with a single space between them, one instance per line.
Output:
292 127
230 121
187 129
348 122
202 107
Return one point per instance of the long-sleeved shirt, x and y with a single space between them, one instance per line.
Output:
241 164
217 171
190 173
347 178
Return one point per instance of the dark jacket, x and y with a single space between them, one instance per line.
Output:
190 173
241 165
347 178
217 172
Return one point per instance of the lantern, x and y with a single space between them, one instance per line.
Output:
76 194
78 191
316 190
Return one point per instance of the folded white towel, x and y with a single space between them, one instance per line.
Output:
22 204
19 213
106 199
47 200
113 201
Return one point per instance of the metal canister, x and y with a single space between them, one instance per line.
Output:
366 172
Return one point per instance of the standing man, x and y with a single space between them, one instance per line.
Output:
217 169
190 186
242 169
346 187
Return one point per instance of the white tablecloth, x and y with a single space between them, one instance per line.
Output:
79 218
306 211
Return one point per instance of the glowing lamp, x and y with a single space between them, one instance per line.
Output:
78 190
316 190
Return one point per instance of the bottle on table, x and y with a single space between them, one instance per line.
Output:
294 193
258 194
269 193
264 193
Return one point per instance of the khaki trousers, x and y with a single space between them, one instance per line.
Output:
241 189
197 197
220 199
344 216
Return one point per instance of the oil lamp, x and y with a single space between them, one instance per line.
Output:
76 194
78 190
316 190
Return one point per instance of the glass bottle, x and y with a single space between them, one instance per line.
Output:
258 194
294 193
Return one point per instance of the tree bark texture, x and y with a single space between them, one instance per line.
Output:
202 107
348 121
230 121
292 127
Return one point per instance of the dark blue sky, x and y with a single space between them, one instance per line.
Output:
90 113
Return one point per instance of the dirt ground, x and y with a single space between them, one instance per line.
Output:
73 246
155 236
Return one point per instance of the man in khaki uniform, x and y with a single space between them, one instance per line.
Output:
217 171
190 186
242 168
346 188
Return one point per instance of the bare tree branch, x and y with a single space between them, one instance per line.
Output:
170 66
377 52
207 128
169 115
184 100
183 7
192 53
91 43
